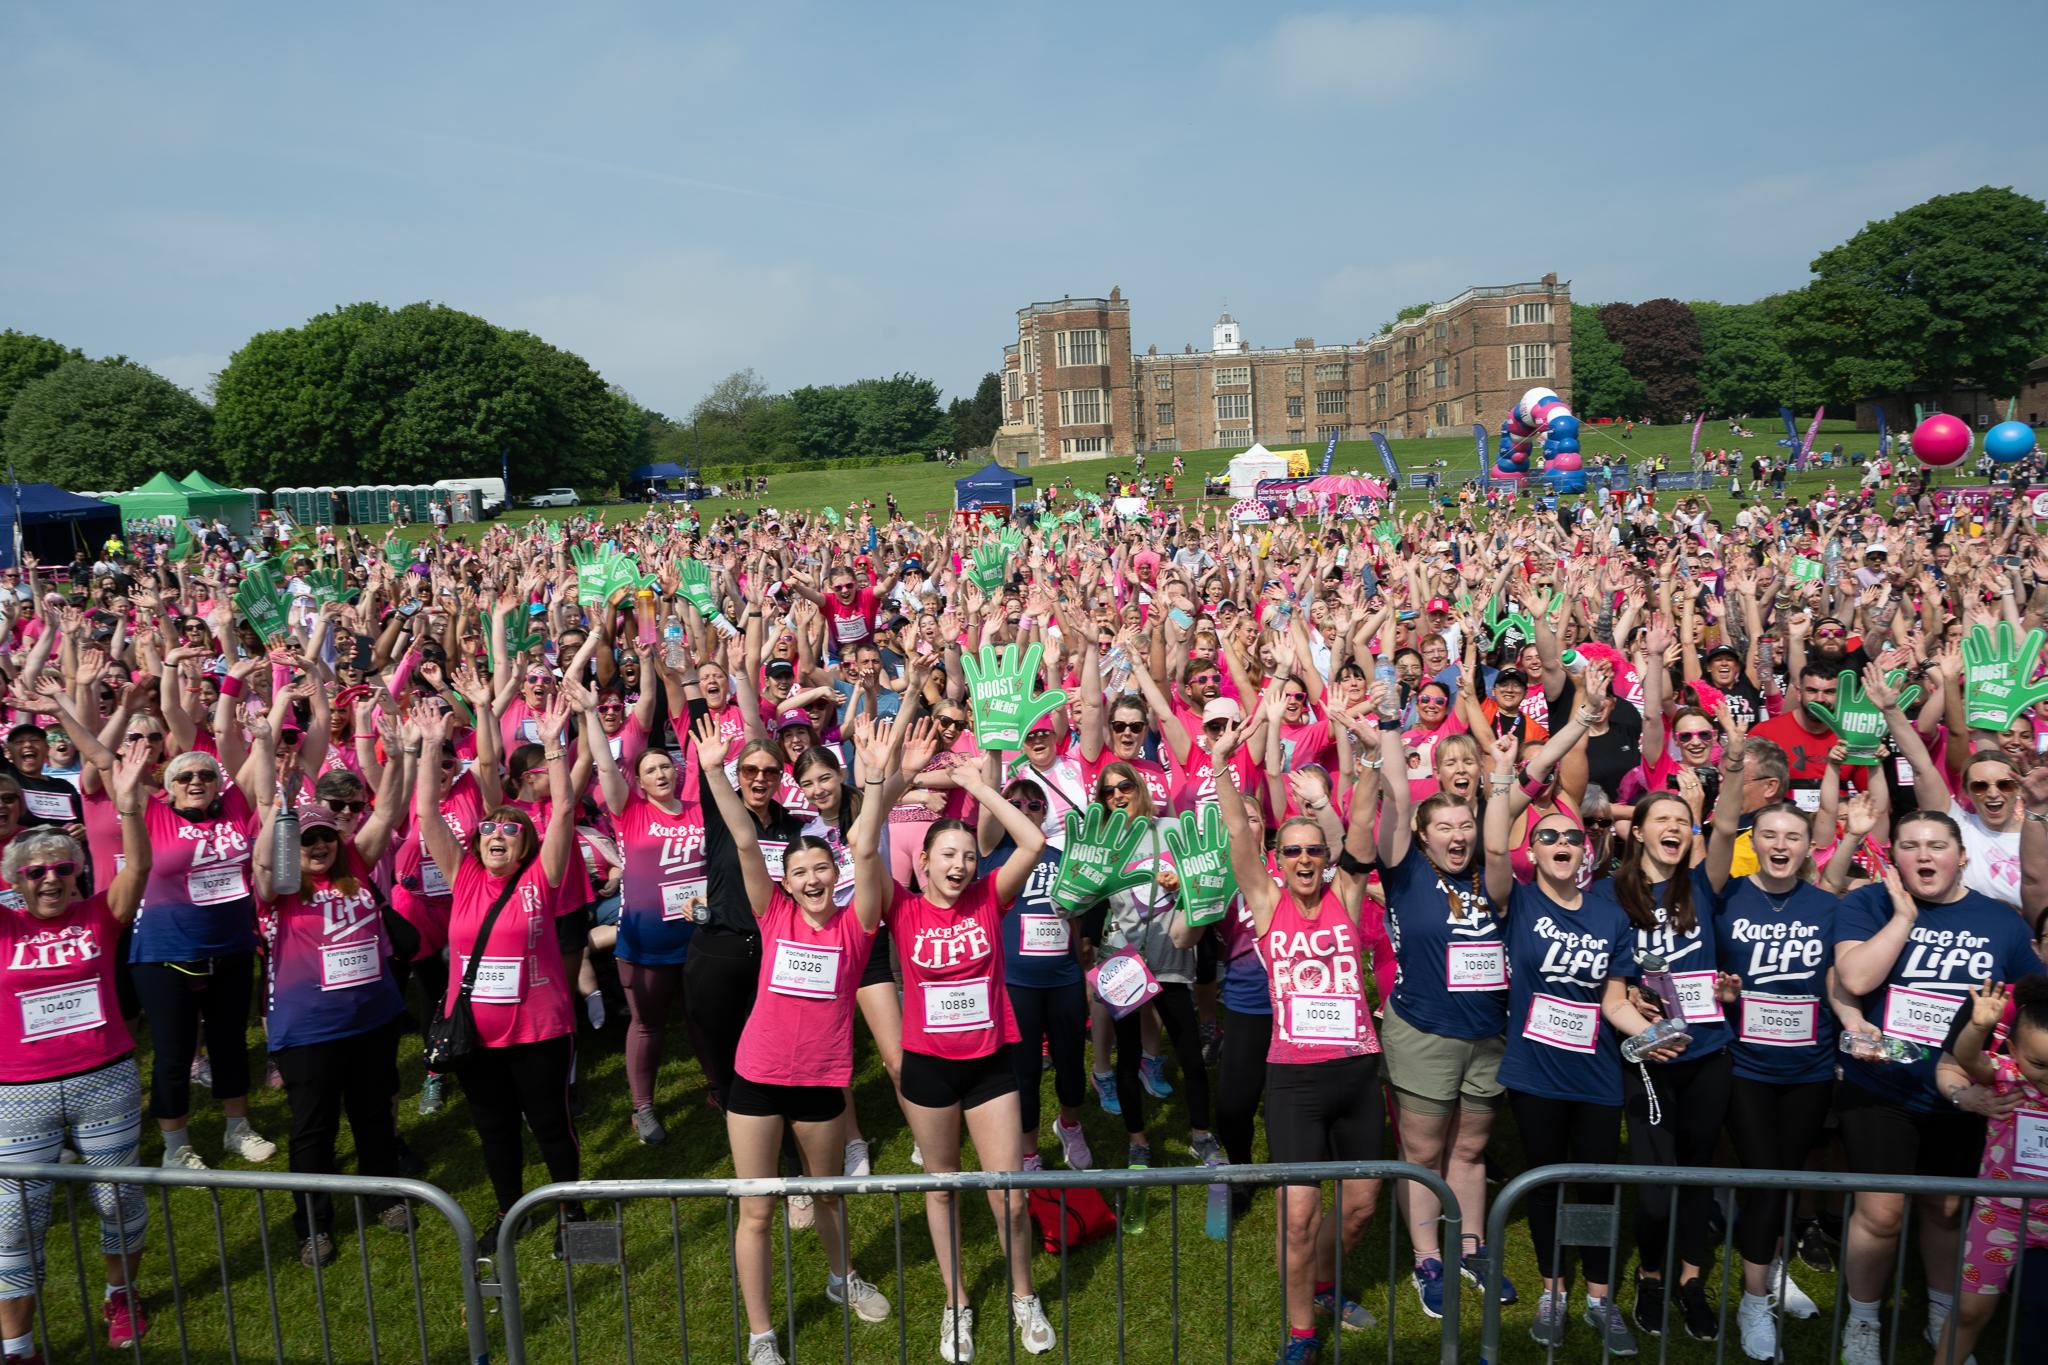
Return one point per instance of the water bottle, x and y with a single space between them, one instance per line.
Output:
1655 1036
1831 559
1383 672
1872 1046
1669 1029
284 851
672 645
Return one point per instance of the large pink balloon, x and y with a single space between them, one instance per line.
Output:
1566 460
1942 440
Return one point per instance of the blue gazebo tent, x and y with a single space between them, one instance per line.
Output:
988 489
52 523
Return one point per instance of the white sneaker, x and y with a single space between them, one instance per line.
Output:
916 1156
1796 1302
1758 1328
764 1352
1936 1320
1032 1328
244 1142
866 1301
183 1156
956 1336
1074 1146
1862 1343
593 1010
858 1161
801 1214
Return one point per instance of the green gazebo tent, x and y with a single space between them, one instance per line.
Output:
231 505
162 496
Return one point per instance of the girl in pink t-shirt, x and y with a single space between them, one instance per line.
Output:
795 1055
957 1023
520 1069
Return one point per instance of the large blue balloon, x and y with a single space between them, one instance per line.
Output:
1568 481
1564 427
2009 441
1558 447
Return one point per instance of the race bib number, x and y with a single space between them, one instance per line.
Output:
1475 967
1904 769
55 1011
803 970
1780 1020
772 853
1808 801
47 805
215 885
2030 1144
1322 1018
1569 1024
432 883
1696 1002
343 965
1043 936
852 629
498 981
955 1006
1923 1016
684 901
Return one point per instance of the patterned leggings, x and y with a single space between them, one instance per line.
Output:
101 1110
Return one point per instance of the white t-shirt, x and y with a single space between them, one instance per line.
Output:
1994 866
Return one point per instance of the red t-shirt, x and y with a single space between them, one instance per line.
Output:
954 1004
1806 752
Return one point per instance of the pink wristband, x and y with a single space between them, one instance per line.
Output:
230 685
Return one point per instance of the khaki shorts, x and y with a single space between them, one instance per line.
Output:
1433 1075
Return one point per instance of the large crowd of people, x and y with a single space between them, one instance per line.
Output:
1620 833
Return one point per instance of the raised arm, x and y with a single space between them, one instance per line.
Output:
711 749
1026 832
124 894
437 841
1727 807
1500 818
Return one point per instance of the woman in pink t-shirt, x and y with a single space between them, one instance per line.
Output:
524 1020
957 1024
796 1051
67 1062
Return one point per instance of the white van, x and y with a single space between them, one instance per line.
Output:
488 494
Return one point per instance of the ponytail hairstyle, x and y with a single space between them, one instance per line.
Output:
1632 883
805 842
2030 1002
820 756
1449 882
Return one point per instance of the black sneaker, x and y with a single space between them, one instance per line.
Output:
1649 1309
1814 1251
487 1240
409 1163
1701 1322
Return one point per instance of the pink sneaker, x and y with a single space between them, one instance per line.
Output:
125 1325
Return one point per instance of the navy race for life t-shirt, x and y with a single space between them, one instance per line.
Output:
1450 975
1693 959
1782 947
1559 962
1038 941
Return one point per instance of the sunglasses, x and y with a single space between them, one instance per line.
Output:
1431 699
953 722
319 836
1120 788
487 827
1599 822
1128 727
1695 736
10 798
1039 737
1215 727
1575 837
1294 696
1030 805
2004 786
1209 677
1297 850
611 706
1831 633
36 872
340 807
201 777
760 770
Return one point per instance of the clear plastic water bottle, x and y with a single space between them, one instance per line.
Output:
284 851
1671 1028
1872 1046
1655 1036
1831 560
672 645
1383 671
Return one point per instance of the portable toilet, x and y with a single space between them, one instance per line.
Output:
286 500
258 499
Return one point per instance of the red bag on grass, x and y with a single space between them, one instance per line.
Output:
1087 1217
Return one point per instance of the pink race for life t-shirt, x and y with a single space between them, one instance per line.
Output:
801 1029
58 1009
521 994
1315 971
954 1004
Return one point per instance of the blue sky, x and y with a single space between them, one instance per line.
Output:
828 191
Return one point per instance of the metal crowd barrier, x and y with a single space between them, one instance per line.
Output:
199 1304
1599 1225
1224 1305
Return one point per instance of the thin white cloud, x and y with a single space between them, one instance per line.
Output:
1362 58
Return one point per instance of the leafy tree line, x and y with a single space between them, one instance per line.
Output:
741 421
1949 292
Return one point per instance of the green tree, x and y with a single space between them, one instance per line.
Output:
1660 346
897 414
105 424
827 424
975 419
586 429
1949 290
437 393
1413 310
1743 367
283 409
25 358
1601 384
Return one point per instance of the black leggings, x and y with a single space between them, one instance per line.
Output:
1059 1015
719 982
1773 1127
1554 1132
1692 1101
527 1081
178 1003
357 1074
1241 1081
1176 1005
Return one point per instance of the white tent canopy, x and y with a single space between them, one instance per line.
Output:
1257 463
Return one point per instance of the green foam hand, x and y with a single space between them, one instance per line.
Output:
592 566
1805 570
1857 720
831 516
1096 863
397 554
329 587
1201 858
695 577
622 572
1502 624
999 687
1998 673
991 567
1011 540
521 634
261 604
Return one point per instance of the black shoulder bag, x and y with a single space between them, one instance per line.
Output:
451 1037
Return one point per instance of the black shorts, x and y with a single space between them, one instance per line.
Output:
942 1082
1324 1111
880 971
790 1103
1881 1138
1206 955
572 931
